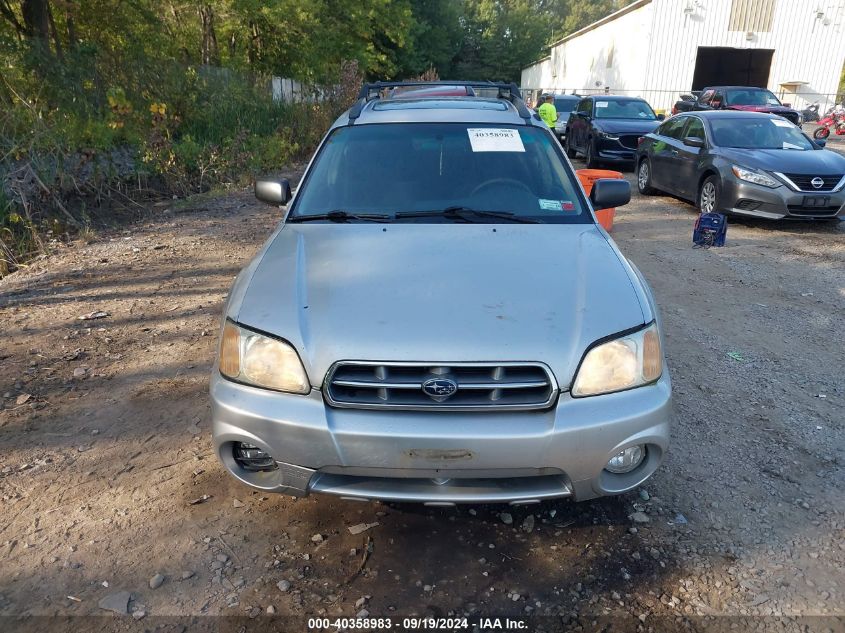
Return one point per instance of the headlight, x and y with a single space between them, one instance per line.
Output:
262 361
757 177
623 363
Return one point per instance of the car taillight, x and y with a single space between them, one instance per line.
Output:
674 110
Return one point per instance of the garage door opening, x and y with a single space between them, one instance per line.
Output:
731 67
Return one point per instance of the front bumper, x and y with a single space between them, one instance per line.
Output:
442 458
613 151
744 198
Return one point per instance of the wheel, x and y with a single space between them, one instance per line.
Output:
708 195
571 153
592 162
644 178
821 133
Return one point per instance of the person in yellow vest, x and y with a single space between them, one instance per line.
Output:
547 110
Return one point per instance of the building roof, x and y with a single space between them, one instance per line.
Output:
617 14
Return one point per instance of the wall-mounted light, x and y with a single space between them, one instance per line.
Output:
749 35
690 9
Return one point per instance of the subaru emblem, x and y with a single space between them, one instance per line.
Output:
440 388
817 182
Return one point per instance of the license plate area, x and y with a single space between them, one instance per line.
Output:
815 201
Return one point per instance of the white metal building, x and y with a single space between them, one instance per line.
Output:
657 49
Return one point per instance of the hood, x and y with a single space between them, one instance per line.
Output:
439 293
810 162
625 126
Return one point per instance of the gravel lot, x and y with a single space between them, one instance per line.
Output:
108 483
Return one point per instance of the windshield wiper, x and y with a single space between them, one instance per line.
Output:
341 216
467 214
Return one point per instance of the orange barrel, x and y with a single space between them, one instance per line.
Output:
587 178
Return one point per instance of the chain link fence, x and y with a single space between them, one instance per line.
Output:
663 100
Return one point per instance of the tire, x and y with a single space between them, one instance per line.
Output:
821 133
644 179
708 195
571 153
589 155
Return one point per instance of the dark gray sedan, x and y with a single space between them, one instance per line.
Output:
746 163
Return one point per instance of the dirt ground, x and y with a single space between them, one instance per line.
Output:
107 477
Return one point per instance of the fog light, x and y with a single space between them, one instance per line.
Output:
627 460
252 458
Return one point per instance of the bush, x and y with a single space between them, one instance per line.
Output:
173 128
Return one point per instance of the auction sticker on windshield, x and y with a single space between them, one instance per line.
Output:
487 139
782 123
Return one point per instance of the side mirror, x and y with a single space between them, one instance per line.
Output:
786 105
661 117
610 192
273 191
716 104
694 141
821 142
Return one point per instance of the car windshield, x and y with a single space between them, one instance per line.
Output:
565 105
411 171
623 109
758 133
751 96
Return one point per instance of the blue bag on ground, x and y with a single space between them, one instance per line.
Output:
711 229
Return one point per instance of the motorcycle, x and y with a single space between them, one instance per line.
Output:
811 113
833 120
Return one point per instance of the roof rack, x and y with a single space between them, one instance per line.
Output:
369 91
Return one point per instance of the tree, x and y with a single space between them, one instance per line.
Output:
582 13
501 37
434 39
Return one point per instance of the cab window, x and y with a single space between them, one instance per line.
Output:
586 107
673 127
695 128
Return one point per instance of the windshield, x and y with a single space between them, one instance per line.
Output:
624 109
758 133
750 96
401 168
565 105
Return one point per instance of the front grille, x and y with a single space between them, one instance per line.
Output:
630 140
487 386
804 181
816 212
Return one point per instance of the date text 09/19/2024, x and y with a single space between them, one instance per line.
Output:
480 624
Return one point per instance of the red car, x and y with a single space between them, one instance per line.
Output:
746 98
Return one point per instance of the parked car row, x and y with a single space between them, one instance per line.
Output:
731 149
